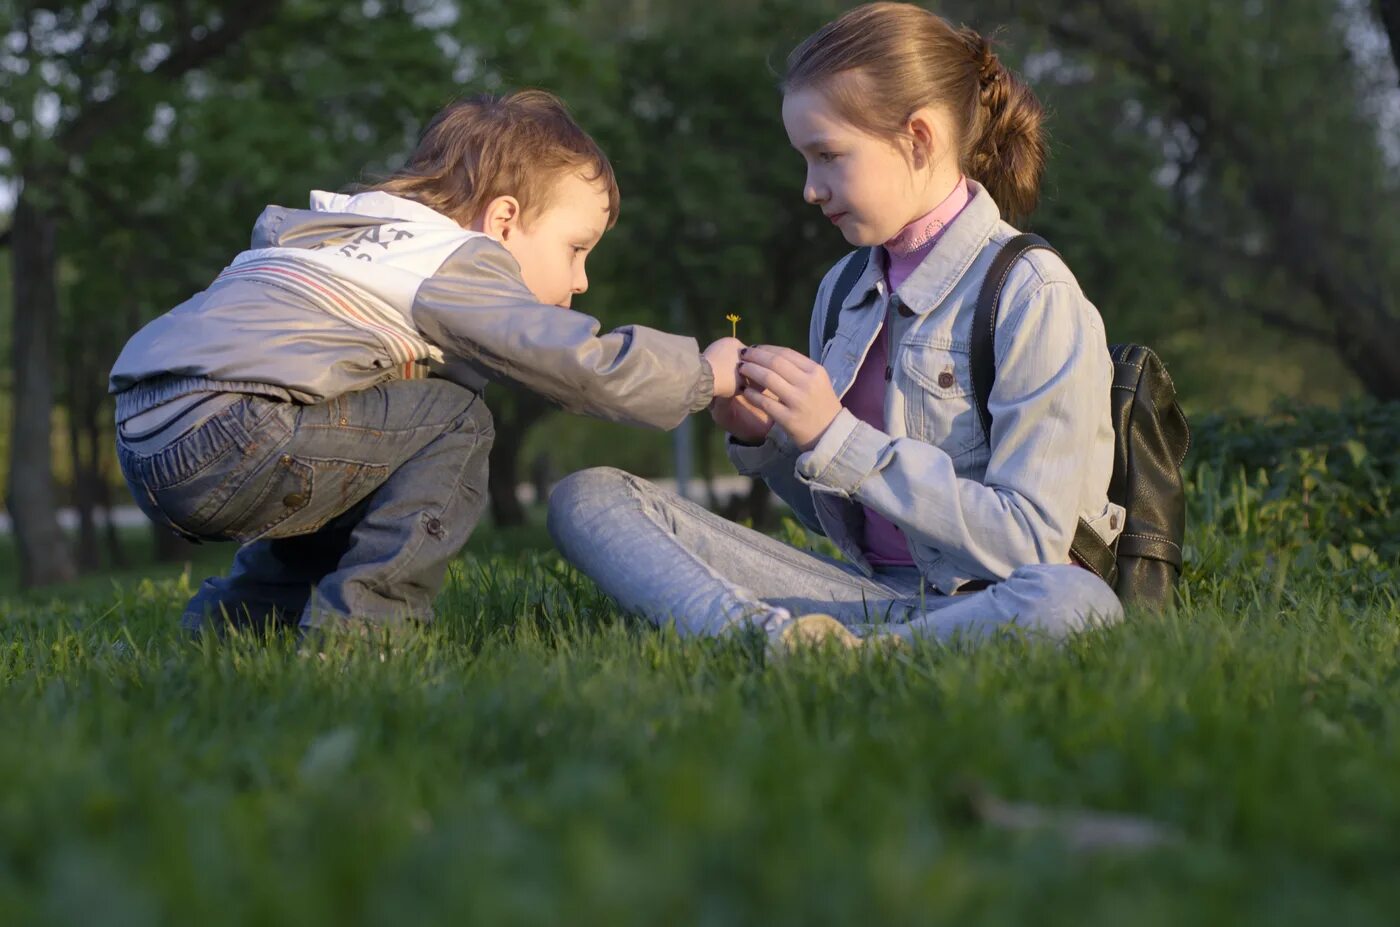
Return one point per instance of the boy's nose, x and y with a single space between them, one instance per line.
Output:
814 194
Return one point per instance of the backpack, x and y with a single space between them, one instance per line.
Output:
1151 437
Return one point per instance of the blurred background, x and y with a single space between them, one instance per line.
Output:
1223 180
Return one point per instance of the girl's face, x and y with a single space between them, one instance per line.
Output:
868 186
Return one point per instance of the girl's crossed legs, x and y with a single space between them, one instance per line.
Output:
669 559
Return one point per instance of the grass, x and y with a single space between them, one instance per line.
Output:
536 757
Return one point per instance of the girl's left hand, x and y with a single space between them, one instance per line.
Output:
798 392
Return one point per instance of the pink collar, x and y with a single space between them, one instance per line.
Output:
920 234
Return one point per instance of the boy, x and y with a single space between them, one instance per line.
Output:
289 406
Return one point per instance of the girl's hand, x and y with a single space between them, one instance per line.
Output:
793 390
741 419
723 358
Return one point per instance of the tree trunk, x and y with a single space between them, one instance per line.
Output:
1370 347
1389 12
513 419
43 553
116 553
506 510
84 494
84 500
705 428
755 507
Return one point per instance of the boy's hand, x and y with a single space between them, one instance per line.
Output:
723 358
793 390
741 419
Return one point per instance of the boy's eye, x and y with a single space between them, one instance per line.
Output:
826 157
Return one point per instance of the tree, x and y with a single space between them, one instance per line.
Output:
151 136
1273 160
78 71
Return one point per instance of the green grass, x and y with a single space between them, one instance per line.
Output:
536 757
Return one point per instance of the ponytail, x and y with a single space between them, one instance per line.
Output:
1005 148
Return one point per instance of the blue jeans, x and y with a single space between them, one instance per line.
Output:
350 508
673 561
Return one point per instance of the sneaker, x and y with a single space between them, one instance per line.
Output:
810 631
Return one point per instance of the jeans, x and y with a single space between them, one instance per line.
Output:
675 562
350 508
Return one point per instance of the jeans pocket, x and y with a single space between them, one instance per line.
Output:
307 492
942 410
211 503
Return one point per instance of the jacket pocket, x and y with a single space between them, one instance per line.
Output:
941 409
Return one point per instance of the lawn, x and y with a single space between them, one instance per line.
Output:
537 757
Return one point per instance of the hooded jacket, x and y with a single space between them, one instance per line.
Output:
362 289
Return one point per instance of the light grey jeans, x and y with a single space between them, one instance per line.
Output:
673 561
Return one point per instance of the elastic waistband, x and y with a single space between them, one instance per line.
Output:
148 394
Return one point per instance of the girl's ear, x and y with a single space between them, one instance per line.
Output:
500 218
924 136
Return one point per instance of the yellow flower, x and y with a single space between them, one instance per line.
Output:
734 321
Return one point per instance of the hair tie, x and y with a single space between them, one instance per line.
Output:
989 69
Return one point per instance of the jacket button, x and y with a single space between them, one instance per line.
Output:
945 379
906 310
1113 521
293 500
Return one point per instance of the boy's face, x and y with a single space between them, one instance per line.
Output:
554 244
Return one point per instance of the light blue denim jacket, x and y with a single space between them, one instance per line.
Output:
971 508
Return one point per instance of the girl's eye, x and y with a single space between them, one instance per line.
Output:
826 157
579 249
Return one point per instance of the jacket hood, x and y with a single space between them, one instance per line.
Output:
331 215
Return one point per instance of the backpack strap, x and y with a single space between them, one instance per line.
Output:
845 282
1087 548
1091 552
984 320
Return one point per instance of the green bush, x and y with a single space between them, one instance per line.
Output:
1312 490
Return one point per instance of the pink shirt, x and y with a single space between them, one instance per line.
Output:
884 543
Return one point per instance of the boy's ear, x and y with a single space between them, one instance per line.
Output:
500 218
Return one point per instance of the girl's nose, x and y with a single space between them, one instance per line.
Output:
813 193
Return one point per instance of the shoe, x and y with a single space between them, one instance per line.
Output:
810 631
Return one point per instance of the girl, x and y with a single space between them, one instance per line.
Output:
917 140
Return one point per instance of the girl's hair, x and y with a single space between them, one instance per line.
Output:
896 58
486 146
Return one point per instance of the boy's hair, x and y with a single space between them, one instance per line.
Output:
486 146
899 58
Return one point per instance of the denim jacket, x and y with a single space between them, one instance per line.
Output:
972 506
